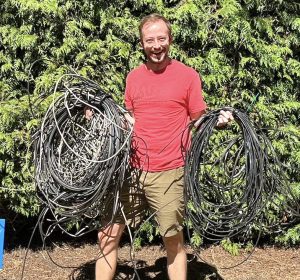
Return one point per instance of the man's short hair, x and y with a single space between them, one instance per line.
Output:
154 18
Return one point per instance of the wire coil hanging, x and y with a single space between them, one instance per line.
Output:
229 186
80 163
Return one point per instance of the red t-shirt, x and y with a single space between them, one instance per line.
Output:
161 105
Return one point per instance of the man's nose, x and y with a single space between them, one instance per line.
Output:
156 44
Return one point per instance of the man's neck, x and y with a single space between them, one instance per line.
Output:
158 67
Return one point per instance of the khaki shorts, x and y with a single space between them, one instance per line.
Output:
159 192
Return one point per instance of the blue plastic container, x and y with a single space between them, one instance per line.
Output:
2 231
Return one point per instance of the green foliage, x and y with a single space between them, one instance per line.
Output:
148 231
137 243
247 53
290 237
231 247
196 240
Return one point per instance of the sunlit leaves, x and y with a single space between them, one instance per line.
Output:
247 53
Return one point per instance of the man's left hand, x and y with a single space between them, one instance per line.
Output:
224 118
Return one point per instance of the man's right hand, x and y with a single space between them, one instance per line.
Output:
88 112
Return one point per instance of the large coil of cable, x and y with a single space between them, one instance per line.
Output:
230 183
80 163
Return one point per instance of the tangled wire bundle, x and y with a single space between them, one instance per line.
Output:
230 186
80 163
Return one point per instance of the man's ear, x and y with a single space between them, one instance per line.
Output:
170 39
141 44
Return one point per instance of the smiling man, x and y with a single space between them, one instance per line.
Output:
156 39
163 96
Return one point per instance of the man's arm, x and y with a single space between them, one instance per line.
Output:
129 117
88 114
224 118
197 116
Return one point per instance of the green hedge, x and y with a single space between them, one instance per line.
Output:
247 53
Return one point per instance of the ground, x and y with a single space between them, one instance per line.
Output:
76 262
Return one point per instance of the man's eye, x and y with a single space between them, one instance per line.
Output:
162 39
149 41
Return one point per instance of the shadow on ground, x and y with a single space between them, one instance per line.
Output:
196 271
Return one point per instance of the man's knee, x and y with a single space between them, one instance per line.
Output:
109 237
174 243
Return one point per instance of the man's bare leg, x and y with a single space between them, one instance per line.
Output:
108 238
176 257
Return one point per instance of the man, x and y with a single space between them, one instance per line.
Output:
163 96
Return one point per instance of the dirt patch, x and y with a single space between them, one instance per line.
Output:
77 263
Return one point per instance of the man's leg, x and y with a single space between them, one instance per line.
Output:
108 238
164 193
176 257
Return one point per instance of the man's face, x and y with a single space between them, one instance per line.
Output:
156 41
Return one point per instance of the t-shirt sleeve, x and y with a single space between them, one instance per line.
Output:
127 97
195 99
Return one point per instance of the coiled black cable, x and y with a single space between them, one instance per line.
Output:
228 186
79 163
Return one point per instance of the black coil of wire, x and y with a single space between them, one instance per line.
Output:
229 185
80 163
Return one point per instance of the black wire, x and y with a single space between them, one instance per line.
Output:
80 167
80 163
229 187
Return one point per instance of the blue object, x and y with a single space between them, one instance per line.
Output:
2 230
